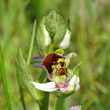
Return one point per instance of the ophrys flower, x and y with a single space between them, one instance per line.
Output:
62 79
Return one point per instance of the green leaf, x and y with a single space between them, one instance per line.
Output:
27 78
77 68
60 104
31 44
3 76
20 87
68 24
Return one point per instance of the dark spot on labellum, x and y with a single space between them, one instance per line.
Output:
51 59
62 71
62 64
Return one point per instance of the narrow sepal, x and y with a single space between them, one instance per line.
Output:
36 61
77 68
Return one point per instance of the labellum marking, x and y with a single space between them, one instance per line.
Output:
62 71
51 59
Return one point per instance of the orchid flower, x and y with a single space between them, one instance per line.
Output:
62 79
75 107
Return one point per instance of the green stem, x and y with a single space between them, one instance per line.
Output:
60 104
31 44
41 76
2 71
45 100
20 87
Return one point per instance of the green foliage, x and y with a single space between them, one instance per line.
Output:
59 103
20 87
2 71
27 78
90 26
31 44
76 69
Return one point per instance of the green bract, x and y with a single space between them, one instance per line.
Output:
27 78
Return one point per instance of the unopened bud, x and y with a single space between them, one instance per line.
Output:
43 38
56 26
66 40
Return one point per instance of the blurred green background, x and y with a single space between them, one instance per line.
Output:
90 25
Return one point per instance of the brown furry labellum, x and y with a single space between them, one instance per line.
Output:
52 59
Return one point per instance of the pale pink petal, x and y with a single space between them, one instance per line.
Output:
64 89
47 87
74 79
77 87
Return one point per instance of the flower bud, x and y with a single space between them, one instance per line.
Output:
43 38
56 26
53 32
66 40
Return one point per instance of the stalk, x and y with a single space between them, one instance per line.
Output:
45 100
2 71
60 104
31 44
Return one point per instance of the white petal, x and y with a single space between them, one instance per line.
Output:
71 87
77 87
74 79
47 37
66 41
64 89
48 87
